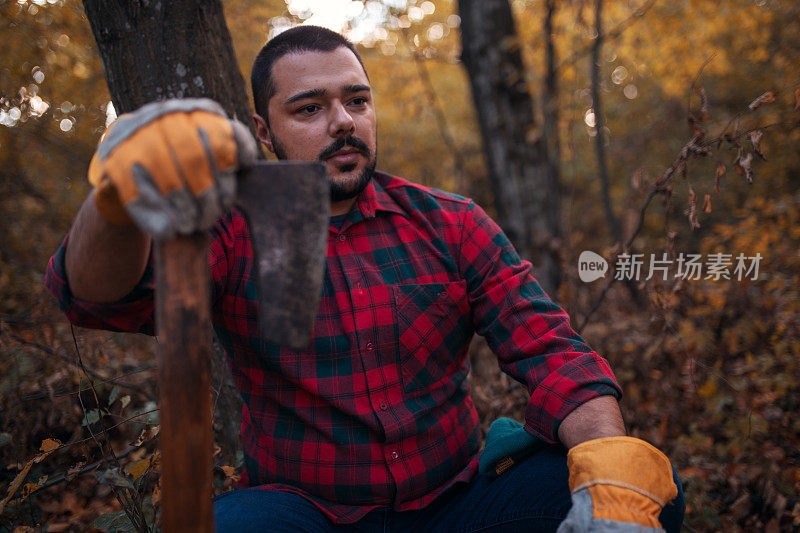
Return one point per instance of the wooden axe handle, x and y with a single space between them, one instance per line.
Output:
184 354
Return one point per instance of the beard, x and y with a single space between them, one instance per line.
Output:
346 189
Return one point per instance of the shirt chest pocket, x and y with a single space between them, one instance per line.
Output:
433 326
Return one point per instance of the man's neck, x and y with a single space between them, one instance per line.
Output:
341 208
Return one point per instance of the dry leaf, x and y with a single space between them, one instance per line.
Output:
720 173
12 488
704 115
639 179
146 434
766 98
138 469
48 445
30 488
707 204
73 471
692 209
797 99
755 137
743 166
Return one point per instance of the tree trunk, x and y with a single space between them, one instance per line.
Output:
167 49
550 112
600 136
526 197
614 227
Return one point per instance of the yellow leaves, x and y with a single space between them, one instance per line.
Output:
48 446
138 468
766 98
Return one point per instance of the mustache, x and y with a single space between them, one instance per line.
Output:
340 143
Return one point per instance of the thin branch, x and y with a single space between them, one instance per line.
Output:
100 378
130 500
69 392
107 429
86 469
635 16
697 146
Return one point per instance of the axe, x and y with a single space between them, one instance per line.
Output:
286 205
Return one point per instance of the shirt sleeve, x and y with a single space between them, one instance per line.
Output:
530 335
133 313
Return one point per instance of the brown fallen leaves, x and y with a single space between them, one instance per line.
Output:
766 98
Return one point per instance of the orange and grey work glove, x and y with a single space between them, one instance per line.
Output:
619 485
170 166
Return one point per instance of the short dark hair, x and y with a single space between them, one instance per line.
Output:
303 38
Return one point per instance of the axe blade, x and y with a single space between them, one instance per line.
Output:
287 206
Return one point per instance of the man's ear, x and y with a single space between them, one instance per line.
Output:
262 132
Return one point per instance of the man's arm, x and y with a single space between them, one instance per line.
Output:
104 261
599 417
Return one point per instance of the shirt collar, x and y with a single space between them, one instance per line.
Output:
375 198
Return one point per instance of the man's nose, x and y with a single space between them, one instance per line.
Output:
341 122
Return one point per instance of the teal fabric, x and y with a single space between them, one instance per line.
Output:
507 439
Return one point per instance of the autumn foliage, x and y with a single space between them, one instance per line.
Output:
702 107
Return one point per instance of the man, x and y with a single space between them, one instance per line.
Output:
371 426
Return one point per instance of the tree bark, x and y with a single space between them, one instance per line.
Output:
167 49
526 196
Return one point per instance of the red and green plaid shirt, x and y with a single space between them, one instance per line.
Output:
375 411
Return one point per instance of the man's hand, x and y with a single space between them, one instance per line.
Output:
170 166
618 484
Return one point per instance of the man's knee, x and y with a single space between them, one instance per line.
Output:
255 510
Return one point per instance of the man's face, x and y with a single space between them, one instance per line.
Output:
322 110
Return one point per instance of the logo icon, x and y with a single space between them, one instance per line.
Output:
591 266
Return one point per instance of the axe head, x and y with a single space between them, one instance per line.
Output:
287 206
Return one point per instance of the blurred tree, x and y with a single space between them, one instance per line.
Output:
526 194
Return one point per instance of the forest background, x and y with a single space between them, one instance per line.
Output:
699 123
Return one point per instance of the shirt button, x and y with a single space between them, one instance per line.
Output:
370 346
341 237
394 455
383 406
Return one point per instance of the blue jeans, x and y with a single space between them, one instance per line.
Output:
532 496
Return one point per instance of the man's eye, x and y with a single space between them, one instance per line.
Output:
359 100
308 109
